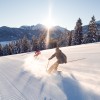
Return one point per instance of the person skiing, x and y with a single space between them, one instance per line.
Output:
37 51
61 58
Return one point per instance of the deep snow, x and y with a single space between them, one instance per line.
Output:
22 77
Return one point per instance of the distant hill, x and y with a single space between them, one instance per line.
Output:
9 34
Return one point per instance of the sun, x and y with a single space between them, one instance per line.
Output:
49 23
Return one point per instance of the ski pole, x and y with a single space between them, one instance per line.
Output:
47 65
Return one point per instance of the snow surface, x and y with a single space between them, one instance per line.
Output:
22 77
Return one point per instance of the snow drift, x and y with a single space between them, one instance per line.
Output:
22 77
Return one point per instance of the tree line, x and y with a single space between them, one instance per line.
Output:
80 37
74 37
21 46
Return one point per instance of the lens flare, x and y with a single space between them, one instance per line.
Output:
49 23
47 38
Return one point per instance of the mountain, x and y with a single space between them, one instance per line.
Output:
22 77
36 27
9 34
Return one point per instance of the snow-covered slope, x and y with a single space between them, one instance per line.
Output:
22 77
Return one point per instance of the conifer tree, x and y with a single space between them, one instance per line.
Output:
1 50
69 38
19 46
10 49
92 31
25 44
5 50
41 41
77 39
34 44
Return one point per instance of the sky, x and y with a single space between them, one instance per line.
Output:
65 13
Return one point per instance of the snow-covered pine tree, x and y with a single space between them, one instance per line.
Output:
42 39
78 36
69 38
18 46
92 31
5 50
1 50
10 49
13 46
25 44
34 43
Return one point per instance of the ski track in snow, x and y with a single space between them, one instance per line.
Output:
22 77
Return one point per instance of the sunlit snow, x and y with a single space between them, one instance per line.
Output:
23 77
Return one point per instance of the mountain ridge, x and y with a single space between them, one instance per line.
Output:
14 33
9 34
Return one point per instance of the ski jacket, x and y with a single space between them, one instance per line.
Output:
61 57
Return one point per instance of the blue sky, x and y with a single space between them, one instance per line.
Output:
14 13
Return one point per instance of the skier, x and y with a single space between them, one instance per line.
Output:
61 58
37 51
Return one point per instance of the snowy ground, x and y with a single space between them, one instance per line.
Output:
22 77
